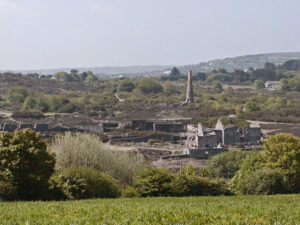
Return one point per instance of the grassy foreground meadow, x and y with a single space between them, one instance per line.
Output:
280 209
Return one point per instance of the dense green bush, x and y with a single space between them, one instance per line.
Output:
17 94
154 182
85 182
126 86
46 103
291 65
162 182
149 85
69 108
73 76
263 182
130 192
259 84
188 183
217 86
282 152
175 72
251 106
170 89
8 192
29 103
226 164
28 114
252 163
90 77
26 163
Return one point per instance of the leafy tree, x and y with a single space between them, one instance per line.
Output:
56 103
26 162
251 106
217 86
8 192
252 163
239 76
284 85
74 71
43 103
84 183
63 76
30 103
259 84
226 164
74 77
282 151
270 66
291 65
154 182
200 76
149 85
263 182
82 76
188 183
170 89
90 77
126 85
175 72
17 94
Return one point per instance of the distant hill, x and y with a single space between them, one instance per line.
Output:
240 62
126 70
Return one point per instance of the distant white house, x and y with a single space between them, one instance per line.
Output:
167 72
272 84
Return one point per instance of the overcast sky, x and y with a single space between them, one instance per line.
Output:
43 34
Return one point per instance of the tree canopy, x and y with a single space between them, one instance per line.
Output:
149 85
26 163
279 162
175 72
226 164
282 151
259 84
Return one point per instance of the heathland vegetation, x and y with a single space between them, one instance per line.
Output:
217 93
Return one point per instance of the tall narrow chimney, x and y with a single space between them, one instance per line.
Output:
189 89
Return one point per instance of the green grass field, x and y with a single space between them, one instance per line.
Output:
281 209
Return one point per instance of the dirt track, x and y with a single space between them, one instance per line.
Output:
271 128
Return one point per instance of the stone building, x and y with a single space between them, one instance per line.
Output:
230 134
251 135
199 137
41 127
9 127
25 126
174 127
142 124
169 127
